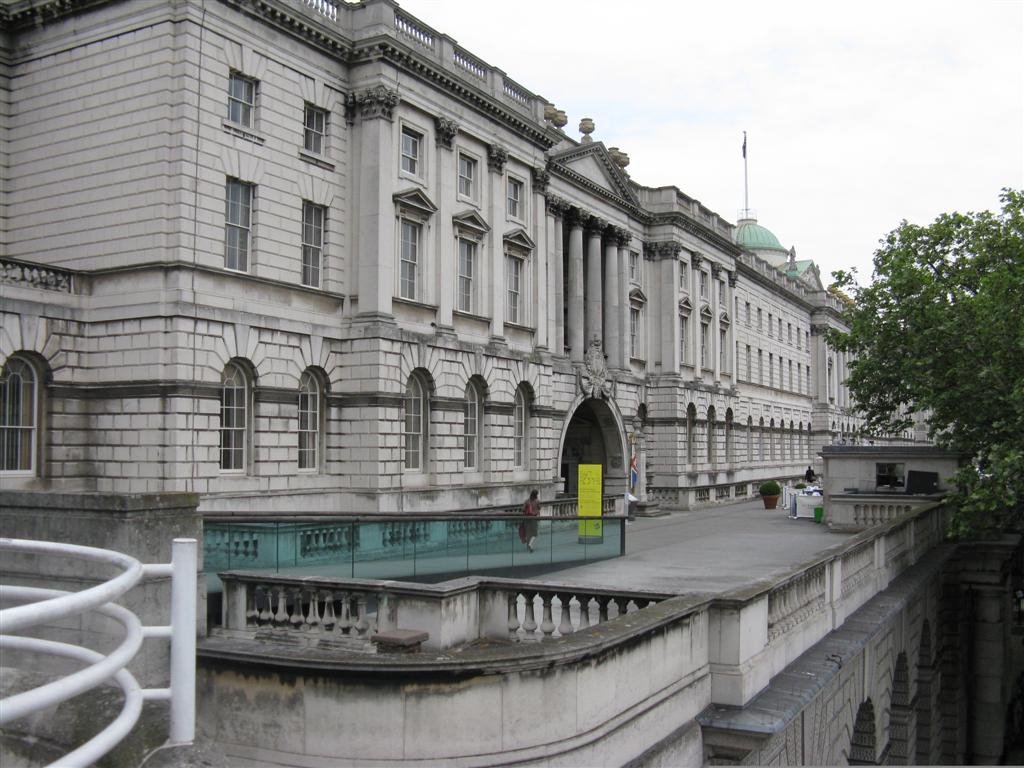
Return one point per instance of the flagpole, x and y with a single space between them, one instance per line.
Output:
746 192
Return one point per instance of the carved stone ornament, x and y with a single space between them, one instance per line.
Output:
445 129
556 205
376 102
595 224
622 236
496 158
732 279
716 270
695 261
593 378
541 179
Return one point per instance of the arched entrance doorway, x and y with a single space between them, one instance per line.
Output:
593 436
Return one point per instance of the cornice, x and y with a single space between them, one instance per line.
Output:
597 190
678 219
752 274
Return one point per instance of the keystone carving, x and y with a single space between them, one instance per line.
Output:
445 128
496 158
593 379
541 178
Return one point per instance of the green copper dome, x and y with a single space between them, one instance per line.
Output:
752 235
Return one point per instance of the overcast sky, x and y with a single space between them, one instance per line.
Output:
858 115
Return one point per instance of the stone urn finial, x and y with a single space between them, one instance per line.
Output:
586 128
618 157
560 119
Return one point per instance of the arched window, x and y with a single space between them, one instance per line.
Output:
19 417
235 413
691 420
417 415
310 421
521 429
472 426
728 435
711 434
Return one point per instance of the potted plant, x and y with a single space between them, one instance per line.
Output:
770 491
800 486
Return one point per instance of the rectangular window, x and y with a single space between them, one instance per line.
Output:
238 226
807 340
514 198
799 374
771 325
721 294
513 289
748 362
771 369
412 143
703 284
409 258
780 329
760 326
314 137
634 332
890 475
703 345
467 176
241 99
634 268
789 333
313 217
467 257
789 366
683 330
798 336
722 351
760 366
807 373
746 311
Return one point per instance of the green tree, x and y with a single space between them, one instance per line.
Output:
940 331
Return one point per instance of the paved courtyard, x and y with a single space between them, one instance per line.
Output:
708 550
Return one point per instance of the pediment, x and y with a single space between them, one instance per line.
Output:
705 312
471 222
685 305
592 163
638 296
723 318
518 238
415 200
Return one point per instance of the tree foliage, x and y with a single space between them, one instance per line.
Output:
940 331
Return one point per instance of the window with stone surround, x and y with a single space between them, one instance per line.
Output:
310 421
314 134
409 258
417 419
467 177
314 218
514 309
238 224
771 325
746 311
760 366
748 362
514 204
703 284
704 359
691 425
411 154
235 418
750 439
19 417
723 351
684 330
634 269
520 429
242 92
466 281
712 453
472 426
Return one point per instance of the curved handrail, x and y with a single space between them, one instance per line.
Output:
51 604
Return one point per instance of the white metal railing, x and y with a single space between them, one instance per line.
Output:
48 605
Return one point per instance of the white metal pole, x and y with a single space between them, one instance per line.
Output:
184 562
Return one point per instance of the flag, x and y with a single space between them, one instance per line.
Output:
634 471
744 145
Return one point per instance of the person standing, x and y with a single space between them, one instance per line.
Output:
528 528
809 475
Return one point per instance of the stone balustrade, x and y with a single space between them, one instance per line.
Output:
36 276
345 613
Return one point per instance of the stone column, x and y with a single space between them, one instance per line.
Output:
445 131
695 318
557 209
594 306
714 330
541 265
376 260
623 237
492 249
574 331
612 340
668 332
733 356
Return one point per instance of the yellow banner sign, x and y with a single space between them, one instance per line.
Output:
590 493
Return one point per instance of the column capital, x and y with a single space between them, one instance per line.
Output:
622 236
541 179
695 260
595 224
377 102
496 157
716 270
556 205
668 249
732 279
444 131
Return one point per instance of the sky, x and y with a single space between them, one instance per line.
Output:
858 115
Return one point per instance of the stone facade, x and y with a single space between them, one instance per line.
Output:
263 253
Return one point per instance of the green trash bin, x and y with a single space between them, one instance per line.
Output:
819 512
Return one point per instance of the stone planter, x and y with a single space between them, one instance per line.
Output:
770 502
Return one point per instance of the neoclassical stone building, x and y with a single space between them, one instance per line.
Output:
302 255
